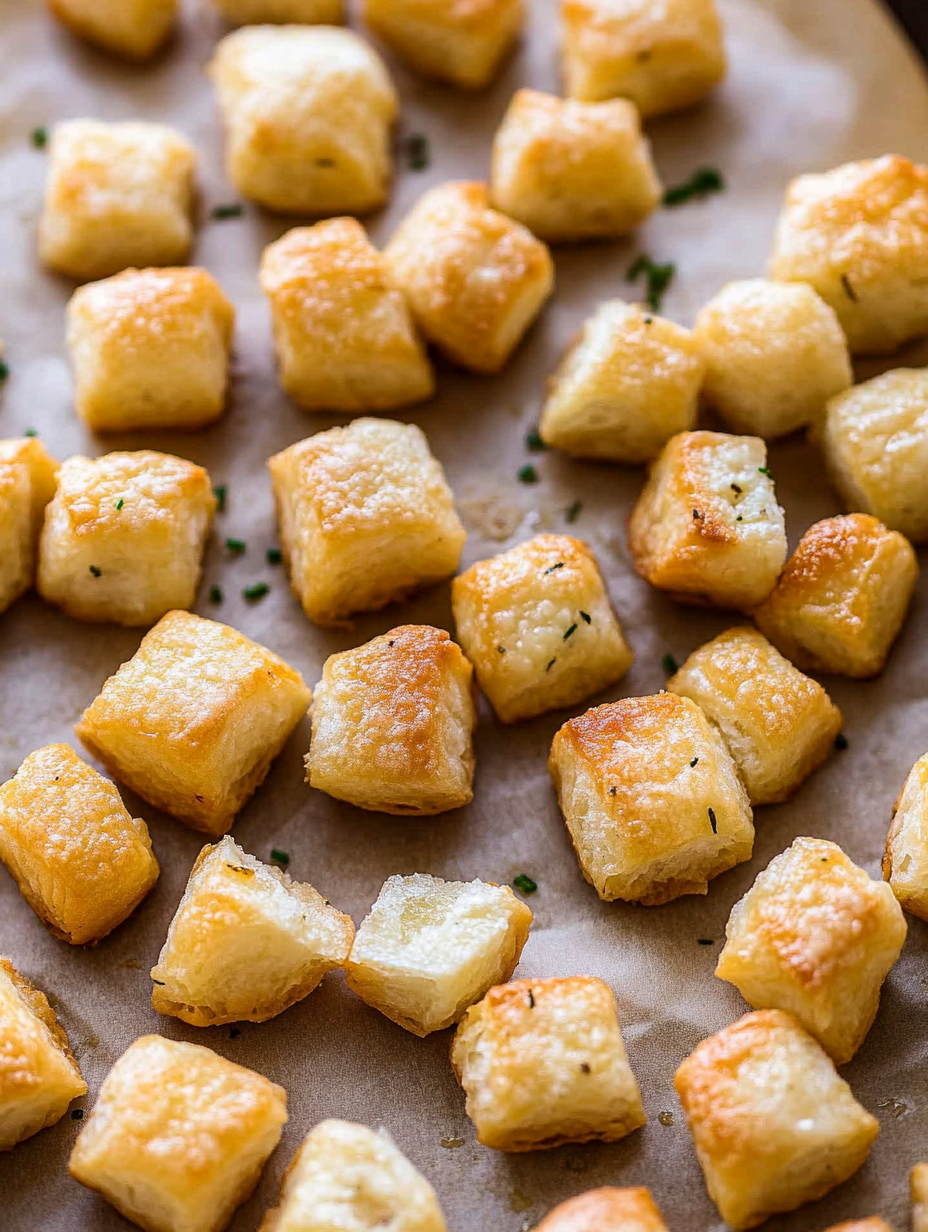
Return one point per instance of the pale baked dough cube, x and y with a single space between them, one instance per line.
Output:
38 1073
192 722
905 858
430 948
132 29
707 526
178 1136
875 441
542 1062
842 597
662 56
350 1177
873 1224
475 280
393 724
571 170
815 936
538 626
27 483
773 1124
117 195
859 235
460 41
651 797
307 112
918 1185
774 352
366 518
627 385
81 861
606 1210
150 350
345 337
124 536
281 12
779 725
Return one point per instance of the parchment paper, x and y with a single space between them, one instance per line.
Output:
812 83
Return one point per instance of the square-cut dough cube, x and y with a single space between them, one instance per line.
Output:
859 235
429 948
651 797
150 349
282 12
875 441
124 536
773 1124
538 626
842 597
345 338
81 861
460 41
779 725
393 724
194 719
246 942
918 1185
570 170
307 112
627 385
117 195
132 29
542 1062
662 56
366 518
178 1136
27 483
606 1210
354 1178
815 936
40 1076
707 526
775 353
905 858
475 280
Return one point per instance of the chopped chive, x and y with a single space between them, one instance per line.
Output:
324 162
77 1114
849 290
233 210
215 594
31 432
220 492
697 516
160 983
572 512
533 441
4 370
657 278
236 545
669 664
841 742
255 592
704 941
553 569
279 857
418 152
274 556
527 474
531 999
571 631
736 489
765 470
120 503
501 649
586 618
693 762
551 663
96 570
39 137
524 884
702 182
713 822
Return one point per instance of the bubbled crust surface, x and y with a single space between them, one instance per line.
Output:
38 1073
864 225
27 483
775 353
117 195
475 280
815 936
178 1135
393 722
707 526
638 810
842 596
366 517
344 336
255 12
513 614
133 29
81 862
905 858
570 170
542 1063
625 387
773 1124
194 719
779 725
606 1210
918 1185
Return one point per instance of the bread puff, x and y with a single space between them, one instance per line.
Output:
131 29
27 483
918 1186
606 1210
905 857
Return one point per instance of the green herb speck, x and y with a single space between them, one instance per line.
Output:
572 512
120 503
274 556
669 664
279 857
255 592
39 137
571 631
657 278
586 618
31 432
215 594
96 571
236 545
533 441
841 742
702 182
524 884
553 569
4 370
694 762
765 470
418 152
527 474
233 210
220 492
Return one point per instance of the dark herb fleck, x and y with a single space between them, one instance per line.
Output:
524 884
647 320
702 182
693 762
765 470
841 742
274 556
697 516
119 504
712 821
4 370
236 545
669 664
849 290
234 1032
160 983
96 570
572 512
31 432
77 1114
704 941
584 1067
657 277
233 210
570 632
533 441
255 592
586 618
613 791
736 488
527 474
279 857
324 162
220 492
739 518
418 152
501 649
551 663
39 137
559 565
215 594
531 999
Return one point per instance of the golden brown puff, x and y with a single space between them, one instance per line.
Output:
27 483
905 858
918 1186
178 1136
246 942
430 948
38 1073
606 1210
393 724
366 517
773 1125
282 12
345 338
542 1063
873 1224
842 597
707 526
475 280
194 719
651 797
131 29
